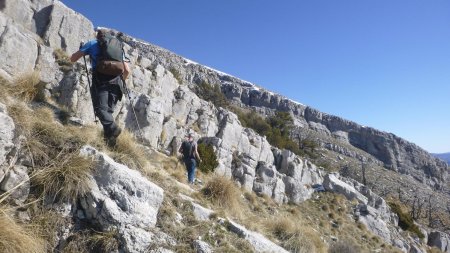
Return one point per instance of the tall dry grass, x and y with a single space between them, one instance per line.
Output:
26 87
63 60
18 238
128 152
105 241
46 224
66 180
59 172
295 236
222 192
344 246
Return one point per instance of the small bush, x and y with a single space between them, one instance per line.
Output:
341 246
405 221
63 60
277 129
15 238
222 192
209 158
177 75
212 93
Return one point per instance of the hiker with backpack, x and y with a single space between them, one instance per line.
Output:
108 79
189 152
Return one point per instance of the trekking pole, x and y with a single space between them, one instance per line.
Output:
127 92
89 82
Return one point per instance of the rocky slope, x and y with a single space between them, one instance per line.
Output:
162 93
444 156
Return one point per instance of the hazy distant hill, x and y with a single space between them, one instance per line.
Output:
444 156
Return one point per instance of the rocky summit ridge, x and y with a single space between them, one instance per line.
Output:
163 91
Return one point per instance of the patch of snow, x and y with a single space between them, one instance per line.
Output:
217 71
101 28
188 62
295 102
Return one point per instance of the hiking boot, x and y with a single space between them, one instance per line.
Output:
112 139
111 142
116 132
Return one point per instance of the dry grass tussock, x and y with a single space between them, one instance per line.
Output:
17 238
128 152
59 171
27 87
77 243
343 246
46 223
105 241
63 60
223 193
88 240
294 236
66 180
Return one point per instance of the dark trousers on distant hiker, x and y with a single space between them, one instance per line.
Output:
190 166
105 94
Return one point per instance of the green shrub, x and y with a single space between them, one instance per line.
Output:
277 129
212 93
405 221
209 158
176 74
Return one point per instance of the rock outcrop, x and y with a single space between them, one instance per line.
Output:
393 152
439 240
121 199
6 135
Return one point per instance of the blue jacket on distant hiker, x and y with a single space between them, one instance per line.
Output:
110 71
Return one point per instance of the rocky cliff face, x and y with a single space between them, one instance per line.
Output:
444 156
394 152
166 107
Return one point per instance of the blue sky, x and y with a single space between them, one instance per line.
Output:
380 63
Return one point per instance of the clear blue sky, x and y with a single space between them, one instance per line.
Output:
380 63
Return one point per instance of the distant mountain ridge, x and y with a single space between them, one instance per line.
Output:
444 156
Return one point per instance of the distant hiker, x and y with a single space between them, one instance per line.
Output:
110 71
189 151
